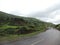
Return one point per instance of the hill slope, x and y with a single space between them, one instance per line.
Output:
11 24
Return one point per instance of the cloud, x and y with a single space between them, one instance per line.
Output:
26 6
51 14
46 10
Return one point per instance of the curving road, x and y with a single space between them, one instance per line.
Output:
50 37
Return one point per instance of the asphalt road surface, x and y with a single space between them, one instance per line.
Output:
50 37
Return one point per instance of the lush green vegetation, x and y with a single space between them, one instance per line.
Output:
57 26
16 25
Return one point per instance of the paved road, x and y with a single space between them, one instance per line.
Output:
50 37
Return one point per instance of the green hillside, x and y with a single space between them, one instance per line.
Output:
57 26
16 25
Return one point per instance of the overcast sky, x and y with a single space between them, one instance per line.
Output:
46 10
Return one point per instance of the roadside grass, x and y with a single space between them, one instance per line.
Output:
14 37
18 37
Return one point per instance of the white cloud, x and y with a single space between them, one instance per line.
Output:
28 7
55 17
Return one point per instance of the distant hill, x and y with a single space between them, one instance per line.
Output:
57 26
11 24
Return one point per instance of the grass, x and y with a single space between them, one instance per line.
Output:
6 26
12 37
17 37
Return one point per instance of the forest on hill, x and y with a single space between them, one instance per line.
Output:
16 25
